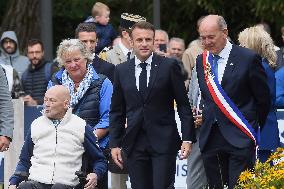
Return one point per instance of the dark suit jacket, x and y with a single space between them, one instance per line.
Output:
155 111
103 67
244 81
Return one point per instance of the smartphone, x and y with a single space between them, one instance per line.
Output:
163 47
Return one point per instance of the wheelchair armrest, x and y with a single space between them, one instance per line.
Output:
22 174
80 174
82 177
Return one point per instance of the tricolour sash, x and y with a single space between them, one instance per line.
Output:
224 103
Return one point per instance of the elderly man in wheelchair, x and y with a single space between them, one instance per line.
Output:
54 146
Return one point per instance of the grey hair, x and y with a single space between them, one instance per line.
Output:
222 23
70 45
164 32
177 39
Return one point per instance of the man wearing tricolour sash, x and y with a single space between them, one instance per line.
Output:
236 102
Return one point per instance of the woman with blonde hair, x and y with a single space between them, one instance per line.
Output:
257 39
90 92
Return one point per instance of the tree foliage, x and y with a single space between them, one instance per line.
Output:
23 18
178 17
69 13
240 14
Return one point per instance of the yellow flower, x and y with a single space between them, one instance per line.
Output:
265 176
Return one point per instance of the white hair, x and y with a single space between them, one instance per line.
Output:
70 45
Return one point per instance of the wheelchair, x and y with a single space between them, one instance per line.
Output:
82 174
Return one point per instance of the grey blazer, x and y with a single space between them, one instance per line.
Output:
116 56
193 89
6 108
196 176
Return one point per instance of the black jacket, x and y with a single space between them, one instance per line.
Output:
103 67
35 80
153 112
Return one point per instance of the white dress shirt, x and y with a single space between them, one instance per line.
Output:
222 61
138 69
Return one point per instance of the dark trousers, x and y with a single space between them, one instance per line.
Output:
149 169
264 155
224 162
38 185
103 182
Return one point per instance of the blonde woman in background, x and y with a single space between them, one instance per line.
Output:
257 39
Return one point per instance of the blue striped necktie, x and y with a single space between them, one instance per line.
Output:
215 65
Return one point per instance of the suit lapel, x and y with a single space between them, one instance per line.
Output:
153 75
131 77
96 64
229 67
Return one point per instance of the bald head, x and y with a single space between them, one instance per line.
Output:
213 21
60 91
213 33
56 101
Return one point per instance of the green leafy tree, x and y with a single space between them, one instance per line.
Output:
23 18
178 17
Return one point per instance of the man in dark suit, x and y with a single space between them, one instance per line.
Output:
226 149
86 32
145 88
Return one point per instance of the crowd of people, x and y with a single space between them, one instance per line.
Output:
110 98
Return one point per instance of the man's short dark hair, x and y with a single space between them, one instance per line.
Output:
121 29
85 27
33 42
142 25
